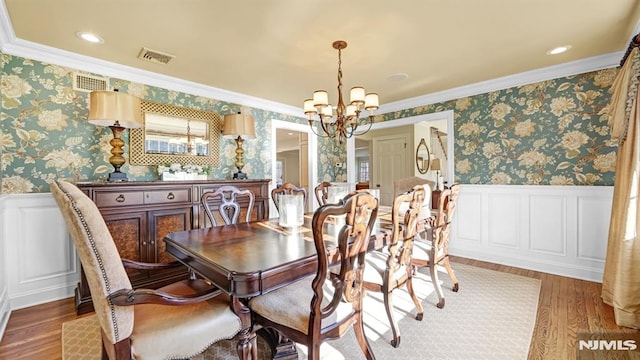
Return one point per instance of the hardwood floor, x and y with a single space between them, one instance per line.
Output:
565 307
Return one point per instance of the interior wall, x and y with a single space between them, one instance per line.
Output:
46 135
551 132
291 160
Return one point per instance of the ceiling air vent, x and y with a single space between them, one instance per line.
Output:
88 83
155 56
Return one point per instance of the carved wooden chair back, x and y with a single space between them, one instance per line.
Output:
228 205
288 189
198 317
434 249
390 268
322 192
320 307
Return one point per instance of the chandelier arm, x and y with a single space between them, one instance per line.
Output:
326 127
353 133
313 129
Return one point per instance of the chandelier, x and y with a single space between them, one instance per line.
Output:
347 118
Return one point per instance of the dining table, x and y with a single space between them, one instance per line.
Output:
253 258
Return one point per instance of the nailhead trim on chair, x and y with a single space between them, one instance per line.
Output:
74 206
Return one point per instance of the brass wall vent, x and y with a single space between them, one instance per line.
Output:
155 56
88 83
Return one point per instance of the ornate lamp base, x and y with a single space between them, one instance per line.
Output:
117 176
117 160
239 175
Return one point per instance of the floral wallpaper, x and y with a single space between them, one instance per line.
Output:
44 134
548 133
552 132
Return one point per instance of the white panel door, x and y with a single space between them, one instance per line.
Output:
390 163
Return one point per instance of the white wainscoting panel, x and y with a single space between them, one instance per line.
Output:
41 262
555 229
5 308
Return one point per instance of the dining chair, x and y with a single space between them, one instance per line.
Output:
432 249
179 320
321 307
322 192
288 189
229 207
390 268
406 184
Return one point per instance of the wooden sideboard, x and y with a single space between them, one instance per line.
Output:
140 213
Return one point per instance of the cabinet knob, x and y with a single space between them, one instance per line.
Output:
171 196
120 198
144 243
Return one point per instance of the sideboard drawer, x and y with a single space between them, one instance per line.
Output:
167 196
119 198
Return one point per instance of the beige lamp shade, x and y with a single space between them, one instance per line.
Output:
108 108
241 125
435 164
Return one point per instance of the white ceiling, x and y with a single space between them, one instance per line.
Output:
280 50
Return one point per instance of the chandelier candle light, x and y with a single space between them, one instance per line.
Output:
347 119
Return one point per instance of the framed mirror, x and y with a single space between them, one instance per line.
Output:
174 134
423 157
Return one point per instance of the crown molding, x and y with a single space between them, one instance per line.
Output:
548 73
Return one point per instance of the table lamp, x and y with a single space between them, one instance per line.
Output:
435 165
118 111
239 126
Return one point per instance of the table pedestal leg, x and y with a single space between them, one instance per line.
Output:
281 347
246 347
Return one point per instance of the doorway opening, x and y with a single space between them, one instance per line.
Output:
293 159
435 128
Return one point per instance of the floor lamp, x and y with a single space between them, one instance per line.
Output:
118 111
239 127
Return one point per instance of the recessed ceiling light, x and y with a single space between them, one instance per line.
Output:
290 133
398 77
92 38
558 50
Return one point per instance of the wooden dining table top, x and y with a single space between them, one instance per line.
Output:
249 259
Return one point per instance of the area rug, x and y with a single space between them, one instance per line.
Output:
491 317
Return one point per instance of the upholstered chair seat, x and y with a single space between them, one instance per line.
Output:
290 305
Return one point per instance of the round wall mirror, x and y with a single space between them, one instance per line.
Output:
423 157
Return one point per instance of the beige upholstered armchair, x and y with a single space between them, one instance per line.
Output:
141 323
229 206
322 307
390 268
433 249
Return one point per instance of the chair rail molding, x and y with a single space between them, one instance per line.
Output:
560 230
